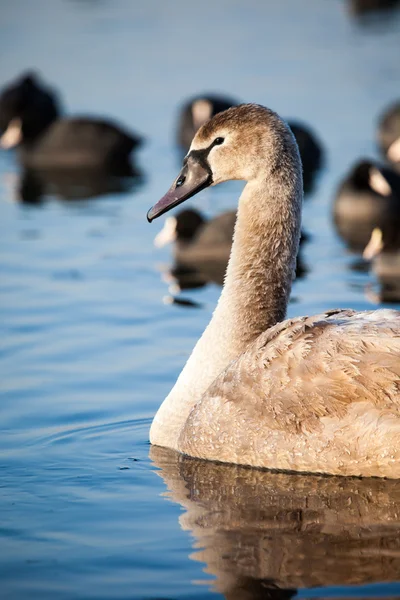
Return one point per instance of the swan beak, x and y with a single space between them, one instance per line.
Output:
194 177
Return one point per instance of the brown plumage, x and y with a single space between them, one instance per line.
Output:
319 394
294 393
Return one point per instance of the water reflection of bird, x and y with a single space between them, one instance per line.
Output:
389 135
368 197
34 186
265 535
197 111
202 247
384 254
257 390
29 119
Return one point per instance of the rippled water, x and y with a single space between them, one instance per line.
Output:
89 349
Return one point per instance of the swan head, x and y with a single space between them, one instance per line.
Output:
243 143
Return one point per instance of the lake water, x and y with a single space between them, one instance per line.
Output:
89 349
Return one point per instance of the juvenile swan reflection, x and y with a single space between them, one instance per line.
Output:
263 535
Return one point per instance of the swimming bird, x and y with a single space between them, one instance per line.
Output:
315 394
389 134
368 197
29 119
196 238
311 152
201 248
383 250
362 7
201 242
196 111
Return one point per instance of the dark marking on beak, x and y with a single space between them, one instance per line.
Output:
195 176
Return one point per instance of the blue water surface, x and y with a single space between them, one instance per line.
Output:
88 348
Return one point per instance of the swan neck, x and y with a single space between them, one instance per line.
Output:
255 295
262 262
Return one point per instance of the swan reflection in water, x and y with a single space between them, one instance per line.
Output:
264 535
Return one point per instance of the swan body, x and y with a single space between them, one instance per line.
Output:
310 394
318 394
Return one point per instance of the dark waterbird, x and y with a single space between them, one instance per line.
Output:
202 247
363 7
197 111
311 153
368 197
30 119
389 134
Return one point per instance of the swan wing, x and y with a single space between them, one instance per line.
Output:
318 394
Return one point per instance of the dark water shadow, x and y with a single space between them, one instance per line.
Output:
193 276
384 292
72 185
386 271
266 535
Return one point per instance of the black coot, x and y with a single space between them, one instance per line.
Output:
30 119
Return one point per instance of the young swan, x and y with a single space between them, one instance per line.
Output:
318 394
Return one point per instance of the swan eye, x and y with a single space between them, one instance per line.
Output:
218 141
180 181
